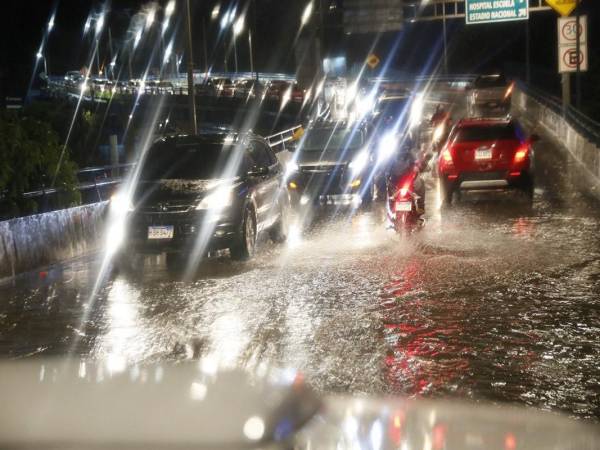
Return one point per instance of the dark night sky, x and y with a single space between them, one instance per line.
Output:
473 48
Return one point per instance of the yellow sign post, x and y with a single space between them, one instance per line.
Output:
563 7
373 61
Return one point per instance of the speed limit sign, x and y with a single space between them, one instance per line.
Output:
568 56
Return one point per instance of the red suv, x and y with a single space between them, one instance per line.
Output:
486 154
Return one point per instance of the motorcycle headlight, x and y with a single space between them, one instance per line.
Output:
120 204
220 199
359 162
438 132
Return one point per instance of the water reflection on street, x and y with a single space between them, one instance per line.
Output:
493 299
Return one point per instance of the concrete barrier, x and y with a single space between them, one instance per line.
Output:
30 242
551 121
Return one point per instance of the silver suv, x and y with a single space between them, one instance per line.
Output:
490 95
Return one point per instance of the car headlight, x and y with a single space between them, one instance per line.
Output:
359 162
387 146
220 199
291 167
416 110
120 204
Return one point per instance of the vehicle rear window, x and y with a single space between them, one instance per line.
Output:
186 162
490 82
486 133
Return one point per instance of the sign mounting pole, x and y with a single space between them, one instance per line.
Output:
445 38
578 49
527 54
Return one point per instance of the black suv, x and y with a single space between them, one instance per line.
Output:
208 192
332 166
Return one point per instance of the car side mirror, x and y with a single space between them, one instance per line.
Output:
534 138
257 171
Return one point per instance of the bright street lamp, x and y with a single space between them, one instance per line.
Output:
224 21
138 37
150 18
168 52
39 55
215 11
51 23
170 8
87 25
99 23
238 26
307 13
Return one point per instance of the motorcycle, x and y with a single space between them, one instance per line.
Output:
405 201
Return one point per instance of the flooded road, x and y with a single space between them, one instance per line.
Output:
494 299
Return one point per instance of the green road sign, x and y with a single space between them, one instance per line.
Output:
486 11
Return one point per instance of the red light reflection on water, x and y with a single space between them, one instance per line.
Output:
423 356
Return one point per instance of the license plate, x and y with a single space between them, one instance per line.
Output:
161 232
483 153
403 207
493 105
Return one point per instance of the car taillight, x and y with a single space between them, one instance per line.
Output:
509 91
447 156
521 154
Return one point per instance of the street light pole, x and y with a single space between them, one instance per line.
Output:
445 38
98 56
205 48
251 52
253 26
578 52
190 72
235 60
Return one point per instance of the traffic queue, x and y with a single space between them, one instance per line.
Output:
223 188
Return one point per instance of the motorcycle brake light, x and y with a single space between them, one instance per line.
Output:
406 185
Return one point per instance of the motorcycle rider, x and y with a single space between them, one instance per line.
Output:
440 115
404 161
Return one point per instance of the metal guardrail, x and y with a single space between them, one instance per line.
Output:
109 175
459 78
583 124
280 139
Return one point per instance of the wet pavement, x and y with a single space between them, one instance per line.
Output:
494 299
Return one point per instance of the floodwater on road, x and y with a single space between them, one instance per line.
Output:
493 299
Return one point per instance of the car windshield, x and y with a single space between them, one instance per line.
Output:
393 107
393 197
490 82
486 133
185 162
328 139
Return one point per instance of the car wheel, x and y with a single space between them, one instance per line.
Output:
280 230
243 248
174 261
368 197
528 187
446 192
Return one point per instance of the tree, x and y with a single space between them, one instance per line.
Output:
30 152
